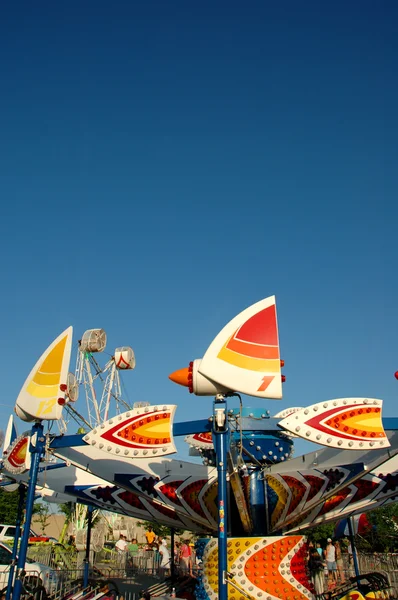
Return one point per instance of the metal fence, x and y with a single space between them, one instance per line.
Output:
381 563
60 558
124 572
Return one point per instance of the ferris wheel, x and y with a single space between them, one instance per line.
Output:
101 385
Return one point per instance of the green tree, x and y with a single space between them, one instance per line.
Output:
43 514
383 533
8 506
68 509
320 533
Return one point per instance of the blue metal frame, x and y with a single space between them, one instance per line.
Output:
221 444
21 504
88 543
36 448
353 547
254 421
248 423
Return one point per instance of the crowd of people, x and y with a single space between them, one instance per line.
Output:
130 553
326 566
325 563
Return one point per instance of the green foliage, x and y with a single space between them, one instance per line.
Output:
159 530
68 509
8 507
321 533
383 535
43 515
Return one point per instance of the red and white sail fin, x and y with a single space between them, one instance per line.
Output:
244 357
43 393
138 433
346 423
203 441
17 458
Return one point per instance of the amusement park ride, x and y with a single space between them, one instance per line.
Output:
249 499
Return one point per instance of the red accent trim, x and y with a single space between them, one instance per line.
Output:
315 423
266 380
13 458
334 501
205 437
170 491
261 328
316 484
297 489
121 359
252 350
110 435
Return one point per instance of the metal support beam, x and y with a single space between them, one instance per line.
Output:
36 448
221 445
20 509
86 571
265 425
172 556
353 547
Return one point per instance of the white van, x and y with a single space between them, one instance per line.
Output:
36 573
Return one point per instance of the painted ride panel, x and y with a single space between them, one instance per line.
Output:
123 464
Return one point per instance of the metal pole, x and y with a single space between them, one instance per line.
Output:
36 448
258 505
353 548
172 562
87 557
20 509
221 439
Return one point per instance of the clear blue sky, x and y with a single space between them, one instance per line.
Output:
163 165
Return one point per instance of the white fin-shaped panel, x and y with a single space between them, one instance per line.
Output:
346 423
46 383
10 434
138 433
18 458
200 440
244 357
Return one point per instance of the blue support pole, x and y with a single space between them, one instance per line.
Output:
20 509
353 548
221 443
36 448
88 542
258 505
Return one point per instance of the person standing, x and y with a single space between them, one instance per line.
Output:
133 547
185 558
177 556
330 557
121 549
150 536
165 559
339 562
133 550
316 567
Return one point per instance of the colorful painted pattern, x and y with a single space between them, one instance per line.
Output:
270 567
17 458
346 423
244 356
254 346
139 433
47 382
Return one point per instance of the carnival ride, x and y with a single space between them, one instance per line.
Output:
249 499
